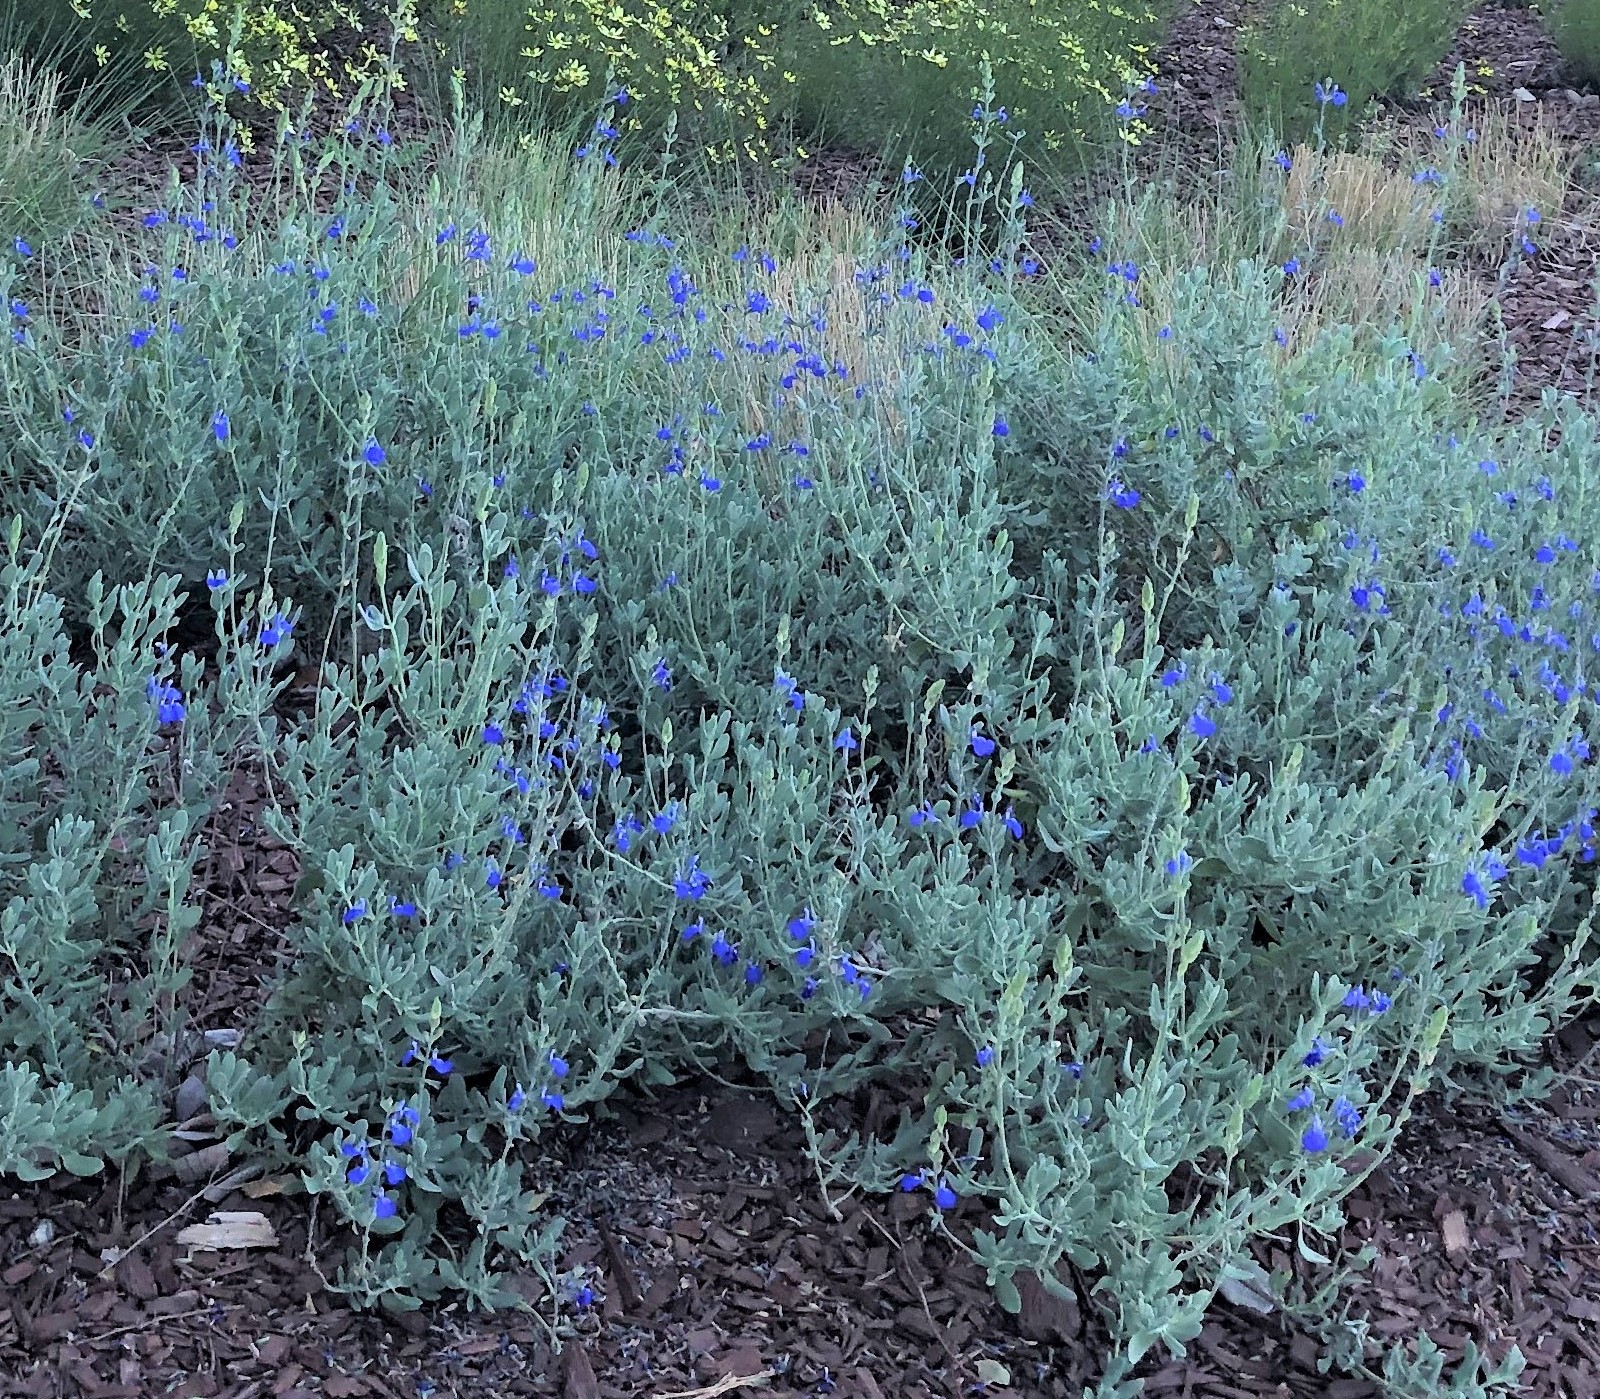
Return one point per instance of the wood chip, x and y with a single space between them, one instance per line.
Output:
1457 1242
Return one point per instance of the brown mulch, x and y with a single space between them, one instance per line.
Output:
695 1218
716 1262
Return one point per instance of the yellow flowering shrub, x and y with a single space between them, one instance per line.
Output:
273 46
866 67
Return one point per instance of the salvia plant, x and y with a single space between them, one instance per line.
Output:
1576 27
1155 776
1381 53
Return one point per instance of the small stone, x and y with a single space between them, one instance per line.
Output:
192 1100
44 1234
1523 95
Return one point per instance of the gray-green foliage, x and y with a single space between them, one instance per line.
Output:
1367 49
639 748
96 858
1576 26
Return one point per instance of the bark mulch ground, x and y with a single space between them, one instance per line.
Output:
716 1263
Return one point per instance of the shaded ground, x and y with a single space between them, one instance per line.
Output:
716 1264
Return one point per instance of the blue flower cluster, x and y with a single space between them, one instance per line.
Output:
1345 1115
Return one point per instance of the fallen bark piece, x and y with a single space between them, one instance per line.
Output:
230 1229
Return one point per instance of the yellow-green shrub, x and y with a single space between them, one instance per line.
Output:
276 46
864 69
868 70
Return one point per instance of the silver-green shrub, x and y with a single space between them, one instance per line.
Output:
1153 775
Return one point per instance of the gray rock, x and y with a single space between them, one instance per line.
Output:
192 1098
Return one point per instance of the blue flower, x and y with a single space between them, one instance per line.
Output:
1012 824
553 1100
985 1056
920 816
1123 497
356 910
1314 1139
1347 1116
911 1181
989 319
1173 675
167 699
374 454
1301 1101
982 745
437 1064
692 882
662 675
1317 1053
400 1123
517 1101
559 1066
1362 595
1472 882
1202 725
1002 428
846 741
1179 863
220 427
403 908
945 1198
277 628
